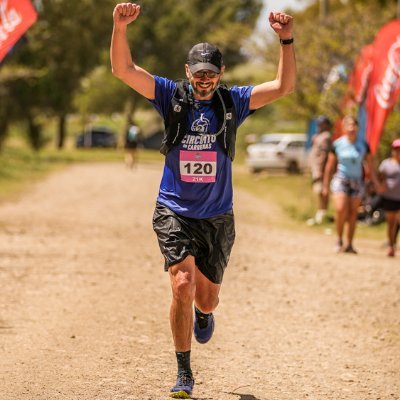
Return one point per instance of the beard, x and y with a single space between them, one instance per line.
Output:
204 92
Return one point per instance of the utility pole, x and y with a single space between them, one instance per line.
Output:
324 9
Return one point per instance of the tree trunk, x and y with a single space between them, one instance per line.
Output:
61 131
323 9
3 131
129 112
35 133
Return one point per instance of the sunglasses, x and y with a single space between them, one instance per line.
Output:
202 74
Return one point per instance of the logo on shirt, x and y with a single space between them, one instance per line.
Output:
198 142
177 108
200 125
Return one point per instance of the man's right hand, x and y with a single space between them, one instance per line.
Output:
125 13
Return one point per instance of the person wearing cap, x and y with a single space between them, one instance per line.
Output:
193 217
348 157
321 146
389 173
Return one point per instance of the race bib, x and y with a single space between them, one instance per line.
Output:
198 166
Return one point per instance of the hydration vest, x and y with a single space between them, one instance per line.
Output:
176 123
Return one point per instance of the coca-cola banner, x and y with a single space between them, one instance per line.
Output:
384 84
356 90
359 78
16 16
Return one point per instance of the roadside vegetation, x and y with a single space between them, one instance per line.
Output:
56 83
20 168
294 196
57 72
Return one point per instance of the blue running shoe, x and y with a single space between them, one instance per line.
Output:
203 326
184 386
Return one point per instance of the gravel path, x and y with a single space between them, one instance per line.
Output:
84 302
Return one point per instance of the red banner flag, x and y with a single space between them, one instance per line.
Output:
359 78
16 16
357 86
384 84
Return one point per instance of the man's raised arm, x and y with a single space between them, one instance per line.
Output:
285 80
121 60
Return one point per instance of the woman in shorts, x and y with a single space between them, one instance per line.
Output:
349 156
389 172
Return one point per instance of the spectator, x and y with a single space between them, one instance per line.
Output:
389 172
321 146
131 146
347 186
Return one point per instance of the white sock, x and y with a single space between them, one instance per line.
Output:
319 216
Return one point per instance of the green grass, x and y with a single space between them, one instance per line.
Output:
291 192
295 198
20 166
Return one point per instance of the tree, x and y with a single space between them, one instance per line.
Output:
320 47
165 31
19 97
63 46
162 36
72 36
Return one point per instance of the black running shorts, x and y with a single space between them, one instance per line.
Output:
208 240
390 204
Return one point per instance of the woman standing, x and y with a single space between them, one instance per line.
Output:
347 185
389 171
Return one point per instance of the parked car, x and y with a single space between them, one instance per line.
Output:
97 136
153 141
278 151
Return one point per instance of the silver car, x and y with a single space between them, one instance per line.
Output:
278 151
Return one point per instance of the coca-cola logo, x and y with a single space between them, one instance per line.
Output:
390 82
360 97
9 20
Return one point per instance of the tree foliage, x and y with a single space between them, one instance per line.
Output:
336 41
64 66
63 46
163 34
325 45
66 51
322 45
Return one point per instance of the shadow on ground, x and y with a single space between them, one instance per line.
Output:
4 328
244 396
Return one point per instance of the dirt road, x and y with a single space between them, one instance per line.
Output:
84 302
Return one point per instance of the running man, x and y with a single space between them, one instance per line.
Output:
193 218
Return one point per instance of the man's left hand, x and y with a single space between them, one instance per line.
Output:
282 24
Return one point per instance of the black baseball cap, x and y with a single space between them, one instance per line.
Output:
204 56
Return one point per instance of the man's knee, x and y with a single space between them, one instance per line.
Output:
205 308
206 304
183 287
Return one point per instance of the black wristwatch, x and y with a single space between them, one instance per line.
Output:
286 41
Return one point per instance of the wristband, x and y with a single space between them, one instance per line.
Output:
286 41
